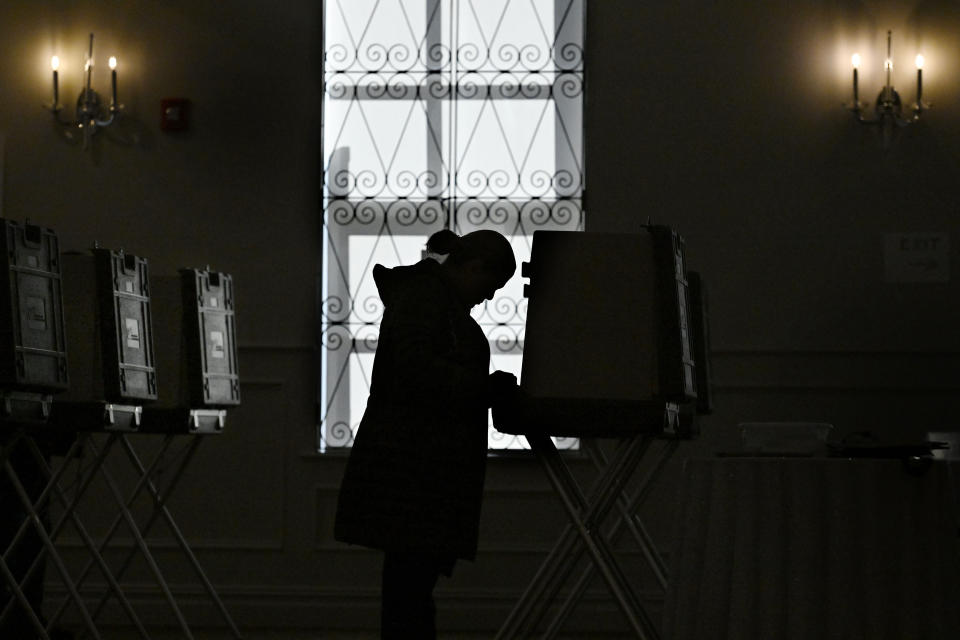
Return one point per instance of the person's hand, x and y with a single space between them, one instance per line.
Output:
501 388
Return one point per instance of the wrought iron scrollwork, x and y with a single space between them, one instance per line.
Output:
475 85
471 57
439 78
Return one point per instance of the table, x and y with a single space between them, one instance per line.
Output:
800 548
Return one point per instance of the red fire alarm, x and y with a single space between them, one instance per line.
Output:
174 114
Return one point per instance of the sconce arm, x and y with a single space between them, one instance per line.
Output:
55 110
856 108
887 110
919 108
107 122
89 116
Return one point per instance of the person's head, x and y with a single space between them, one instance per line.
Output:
480 263
442 242
439 245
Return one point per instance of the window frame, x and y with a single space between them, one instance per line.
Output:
441 203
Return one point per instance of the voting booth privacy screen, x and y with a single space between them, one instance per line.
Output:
109 326
84 325
609 341
32 339
80 378
196 339
700 340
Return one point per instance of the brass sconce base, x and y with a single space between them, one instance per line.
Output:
90 115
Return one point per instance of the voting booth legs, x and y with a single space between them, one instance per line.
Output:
587 535
23 564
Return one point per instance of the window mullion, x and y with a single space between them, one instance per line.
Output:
499 61
433 100
568 132
452 168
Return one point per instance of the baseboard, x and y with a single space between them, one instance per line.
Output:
305 607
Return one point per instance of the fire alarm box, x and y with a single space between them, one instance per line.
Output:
174 114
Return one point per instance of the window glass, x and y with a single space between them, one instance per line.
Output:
458 114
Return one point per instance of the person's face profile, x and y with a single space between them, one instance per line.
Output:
482 283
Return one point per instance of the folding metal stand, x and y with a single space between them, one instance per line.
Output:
159 498
85 441
584 534
29 412
48 537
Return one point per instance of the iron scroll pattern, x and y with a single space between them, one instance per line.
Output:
548 41
441 98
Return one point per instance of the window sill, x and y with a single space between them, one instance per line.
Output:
342 453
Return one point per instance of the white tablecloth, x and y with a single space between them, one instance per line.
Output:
804 548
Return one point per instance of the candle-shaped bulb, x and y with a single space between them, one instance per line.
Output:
855 61
55 65
113 82
888 65
919 61
88 72
88 67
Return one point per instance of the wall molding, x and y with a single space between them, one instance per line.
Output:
486 551
833 371
262 382
171 544
845 352
298 592
333 488
347 608
276 346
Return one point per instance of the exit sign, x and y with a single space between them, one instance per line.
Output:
916 257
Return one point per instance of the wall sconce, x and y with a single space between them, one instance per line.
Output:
888 109
90 113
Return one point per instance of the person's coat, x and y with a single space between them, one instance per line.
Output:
414 479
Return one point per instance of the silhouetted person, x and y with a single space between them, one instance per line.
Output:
440 244
414 481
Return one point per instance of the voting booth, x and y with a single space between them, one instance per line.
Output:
98 307
33 358
608 340
198 365
110 333
616 348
